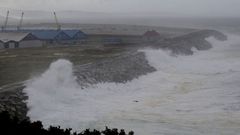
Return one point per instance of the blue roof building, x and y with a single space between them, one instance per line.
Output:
49 34
65 37
75 34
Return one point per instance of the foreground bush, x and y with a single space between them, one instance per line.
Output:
12 126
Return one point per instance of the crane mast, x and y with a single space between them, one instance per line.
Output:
56 20
21 21
5 23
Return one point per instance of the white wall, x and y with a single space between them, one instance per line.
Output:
11 45
1 45
30 43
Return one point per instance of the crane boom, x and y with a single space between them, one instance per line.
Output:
6 21
57 23
21 21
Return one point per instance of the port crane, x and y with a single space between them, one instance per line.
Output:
6 21
56 20
20 23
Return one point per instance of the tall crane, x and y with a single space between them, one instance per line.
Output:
6 21
21 21
57 23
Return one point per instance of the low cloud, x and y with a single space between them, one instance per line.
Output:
183 7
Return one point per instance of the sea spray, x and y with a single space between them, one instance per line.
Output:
55 87
196 94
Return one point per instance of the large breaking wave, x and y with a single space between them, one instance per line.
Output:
196 94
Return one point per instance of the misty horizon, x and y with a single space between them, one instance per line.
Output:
188 14
172 8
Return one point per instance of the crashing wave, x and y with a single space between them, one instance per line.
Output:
183 44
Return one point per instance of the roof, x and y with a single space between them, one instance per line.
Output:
45 34
151 33
12 36
73 33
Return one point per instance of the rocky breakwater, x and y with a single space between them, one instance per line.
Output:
183 44
119 69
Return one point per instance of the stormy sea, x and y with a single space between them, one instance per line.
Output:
150 91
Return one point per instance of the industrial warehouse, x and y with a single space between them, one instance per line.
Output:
45 37
23 38
18 40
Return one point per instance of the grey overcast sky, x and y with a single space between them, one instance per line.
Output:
182 7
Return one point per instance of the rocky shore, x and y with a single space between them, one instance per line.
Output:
12 100
184 44
119 69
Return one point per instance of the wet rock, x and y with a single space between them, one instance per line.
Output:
184 44
12 100
119 70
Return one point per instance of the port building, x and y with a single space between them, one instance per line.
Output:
18 40
59 37
75 34
49 37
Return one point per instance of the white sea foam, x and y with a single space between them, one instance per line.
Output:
196 94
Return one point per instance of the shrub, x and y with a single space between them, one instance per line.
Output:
12 126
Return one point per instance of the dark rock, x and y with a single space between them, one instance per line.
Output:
12 100
184 44
119 69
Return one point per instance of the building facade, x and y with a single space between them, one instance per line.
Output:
18 40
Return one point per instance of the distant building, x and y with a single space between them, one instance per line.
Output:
18 40
50 36
1 44
75 34
59 36
151 36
